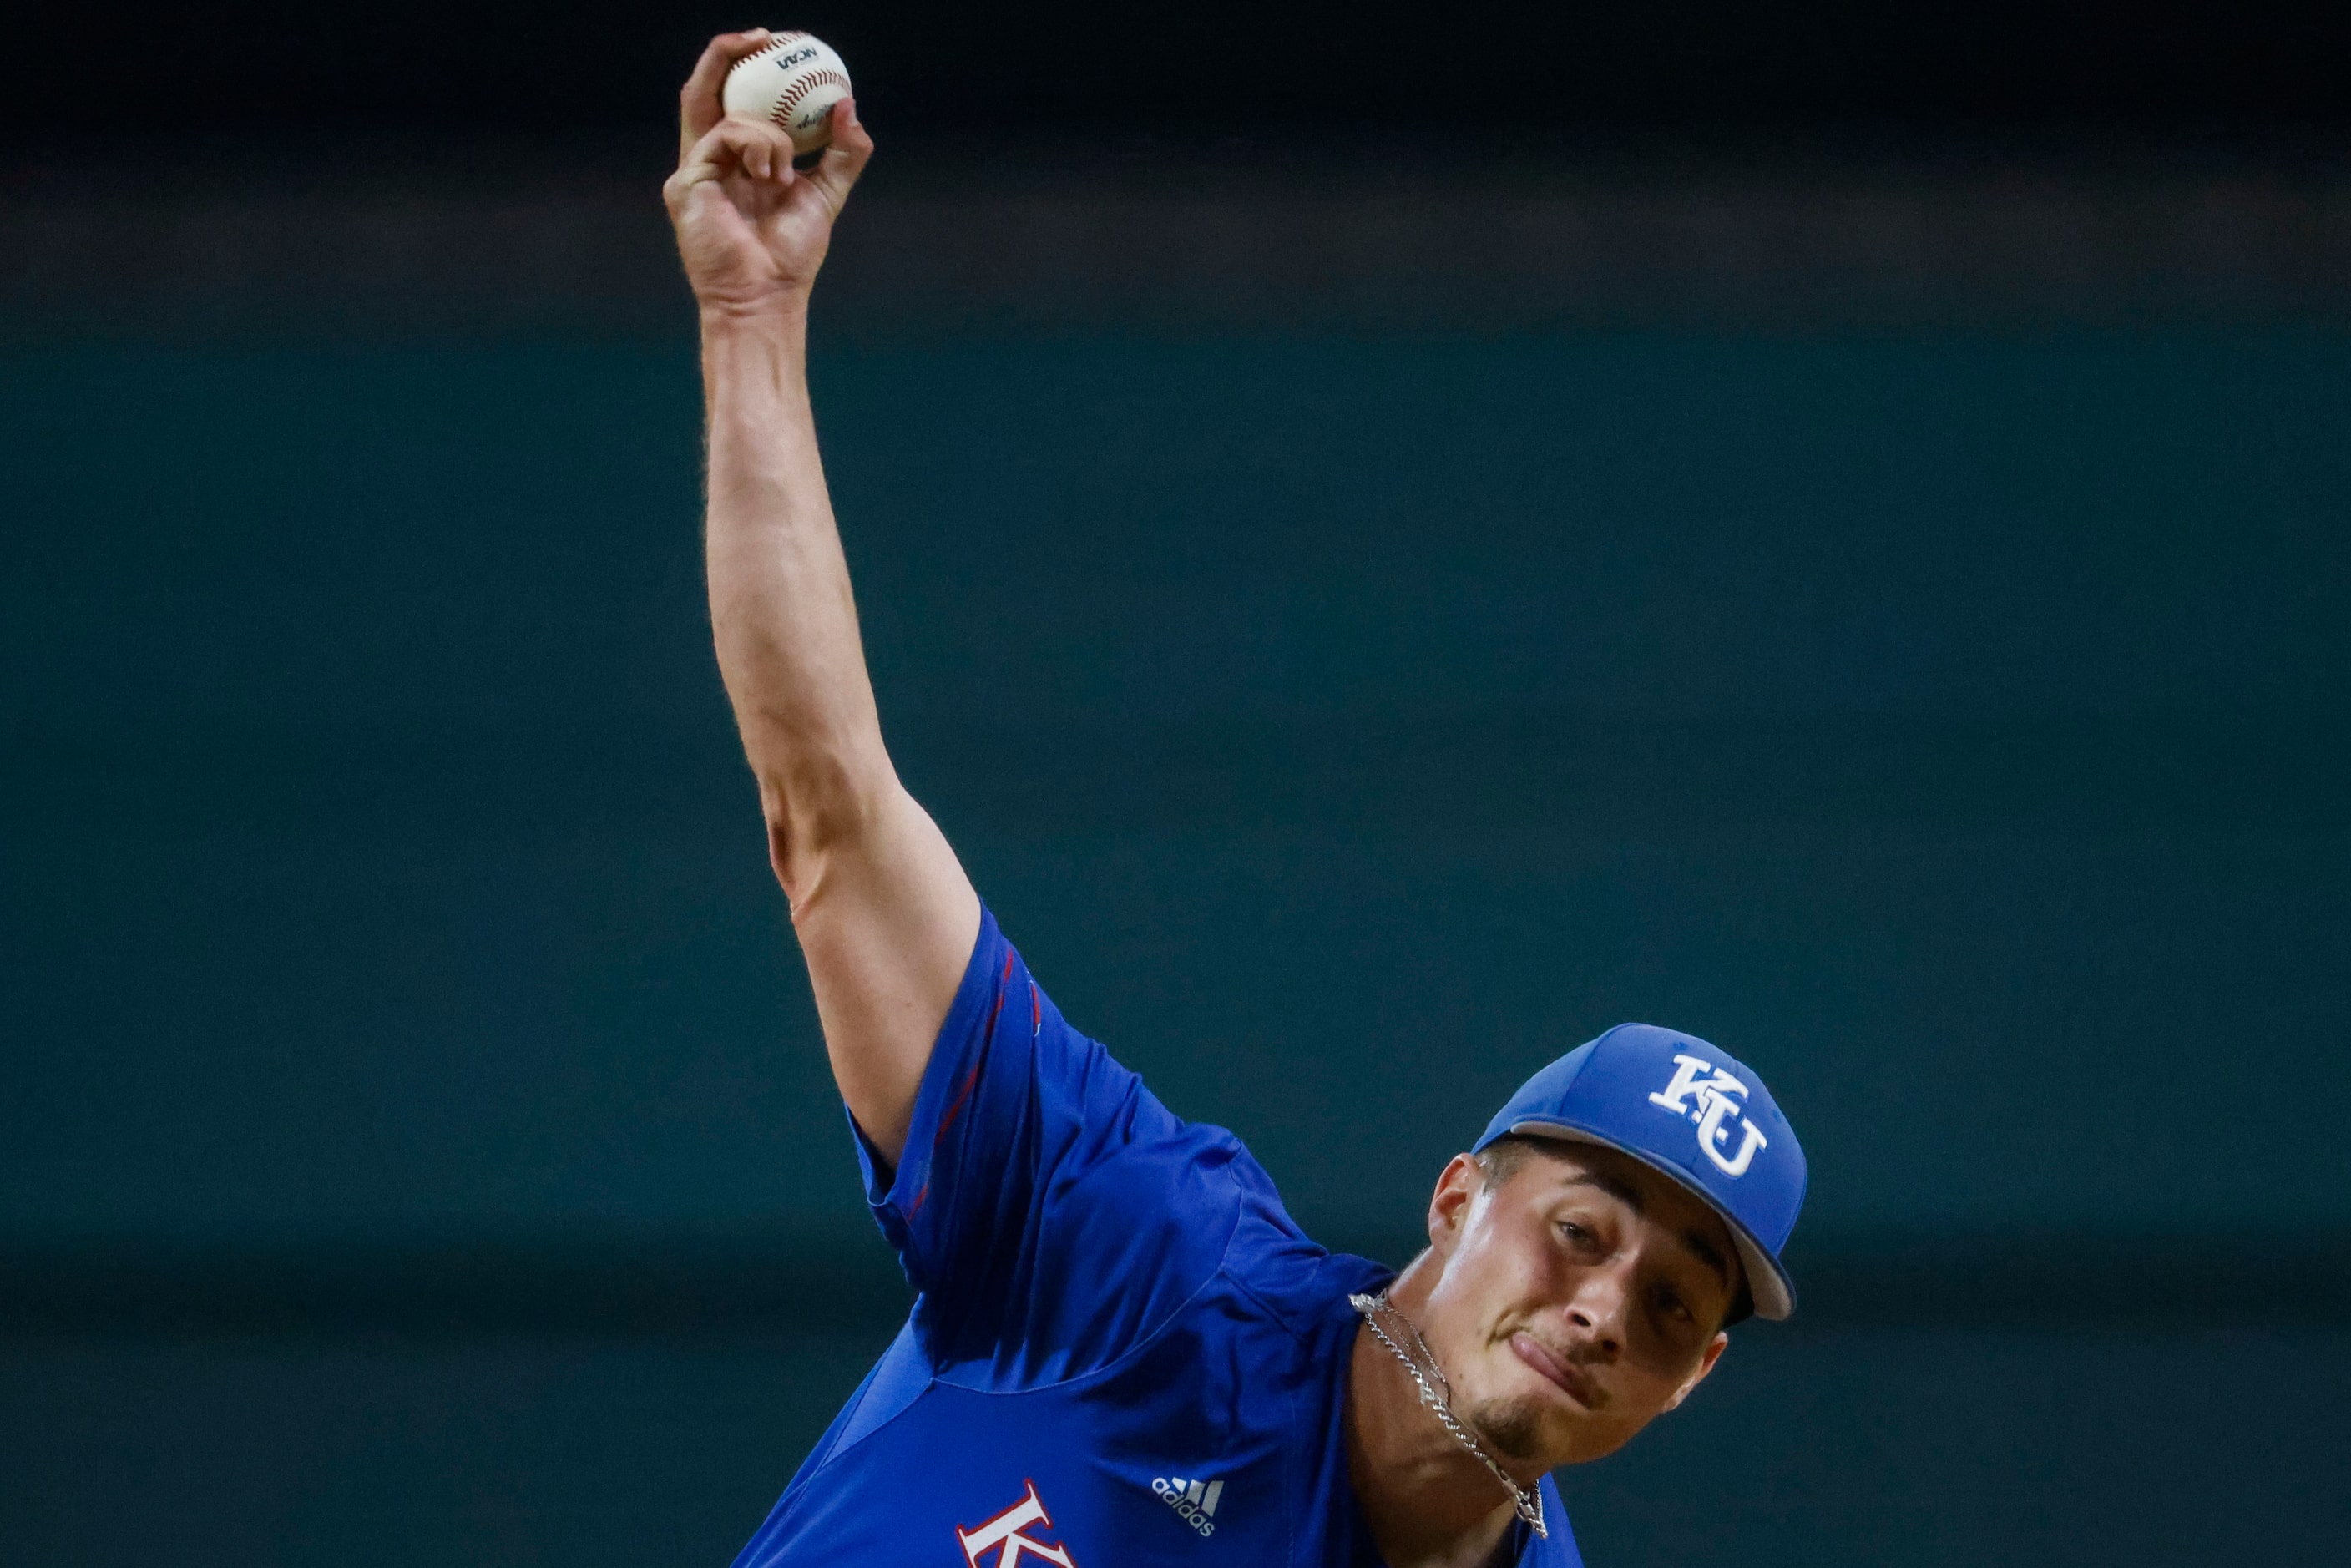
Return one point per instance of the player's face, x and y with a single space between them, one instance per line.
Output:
1581 1297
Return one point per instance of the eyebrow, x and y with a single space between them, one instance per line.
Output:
1615 1186
1702 1247
1696 1242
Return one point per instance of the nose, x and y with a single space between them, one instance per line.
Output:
1598 1311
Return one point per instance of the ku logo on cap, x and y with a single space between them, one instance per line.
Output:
1717 1098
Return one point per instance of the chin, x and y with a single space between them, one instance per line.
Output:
1542 1427
1528 1429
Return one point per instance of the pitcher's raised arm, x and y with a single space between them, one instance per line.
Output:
886 916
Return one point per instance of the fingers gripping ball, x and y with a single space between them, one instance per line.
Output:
793 83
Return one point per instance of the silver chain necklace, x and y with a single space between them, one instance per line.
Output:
1527 1500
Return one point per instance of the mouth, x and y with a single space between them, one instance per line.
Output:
1571 1381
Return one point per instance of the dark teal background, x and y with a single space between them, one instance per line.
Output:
1952 725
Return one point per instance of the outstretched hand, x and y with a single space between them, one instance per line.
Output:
752 229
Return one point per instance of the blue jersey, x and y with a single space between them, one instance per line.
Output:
1122 1351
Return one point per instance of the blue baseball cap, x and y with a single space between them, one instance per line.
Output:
1690 1112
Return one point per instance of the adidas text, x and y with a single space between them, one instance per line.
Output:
1196 1502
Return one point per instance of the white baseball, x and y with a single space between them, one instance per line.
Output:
793 82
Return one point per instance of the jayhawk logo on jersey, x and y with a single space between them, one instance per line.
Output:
1007 1536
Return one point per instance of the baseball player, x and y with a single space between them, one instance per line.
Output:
1122 1348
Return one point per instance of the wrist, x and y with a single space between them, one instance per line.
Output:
754 353
782 312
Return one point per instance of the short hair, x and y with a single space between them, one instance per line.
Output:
1501 1158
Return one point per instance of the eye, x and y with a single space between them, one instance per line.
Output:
1670 1302
1577 1236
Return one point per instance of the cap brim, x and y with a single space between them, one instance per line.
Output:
1767 1284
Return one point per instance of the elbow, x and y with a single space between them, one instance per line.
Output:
815 818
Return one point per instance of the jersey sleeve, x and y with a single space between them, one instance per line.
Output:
1049 1209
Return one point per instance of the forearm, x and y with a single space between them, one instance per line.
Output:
886 916
781 609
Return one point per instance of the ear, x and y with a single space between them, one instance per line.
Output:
1457 1186
1714 1349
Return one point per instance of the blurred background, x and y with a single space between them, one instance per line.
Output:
1390 540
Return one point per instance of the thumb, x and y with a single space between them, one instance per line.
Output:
844 157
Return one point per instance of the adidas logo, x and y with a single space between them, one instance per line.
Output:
1195 1500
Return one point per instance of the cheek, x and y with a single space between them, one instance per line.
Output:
1654 1373
1650 1382
1495 1280
1636 1399
1665 1356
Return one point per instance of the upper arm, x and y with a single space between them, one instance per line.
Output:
886 919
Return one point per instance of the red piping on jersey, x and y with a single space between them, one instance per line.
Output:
954 1107
971 1078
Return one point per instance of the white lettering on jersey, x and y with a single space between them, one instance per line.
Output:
1003 1536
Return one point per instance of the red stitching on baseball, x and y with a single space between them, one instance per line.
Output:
781 114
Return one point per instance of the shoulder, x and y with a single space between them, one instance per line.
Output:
1300 1285
1123 1242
